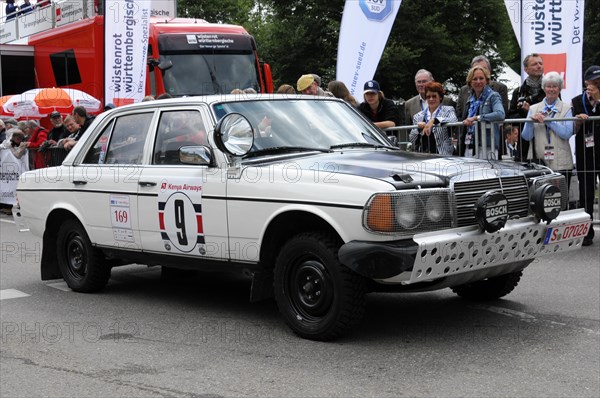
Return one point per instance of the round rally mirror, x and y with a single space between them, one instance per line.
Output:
234 134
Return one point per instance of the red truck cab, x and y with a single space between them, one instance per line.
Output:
186 57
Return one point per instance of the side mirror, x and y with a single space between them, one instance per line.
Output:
234 134
393 140
197 155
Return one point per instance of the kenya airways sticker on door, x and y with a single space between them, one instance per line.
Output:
180 215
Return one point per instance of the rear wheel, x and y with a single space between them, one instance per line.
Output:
82 266
318 297
489 289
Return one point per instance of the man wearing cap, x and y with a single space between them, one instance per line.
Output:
307 85
381 111
59 131
587 142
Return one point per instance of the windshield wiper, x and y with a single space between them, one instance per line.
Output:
358 144
284 149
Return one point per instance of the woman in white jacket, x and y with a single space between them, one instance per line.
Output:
551 137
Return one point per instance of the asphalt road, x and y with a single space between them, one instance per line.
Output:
202 338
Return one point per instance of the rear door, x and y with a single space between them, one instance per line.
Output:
105 183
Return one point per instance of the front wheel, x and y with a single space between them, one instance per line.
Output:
318 297
489 289
81 265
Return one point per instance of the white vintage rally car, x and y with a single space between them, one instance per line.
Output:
303 194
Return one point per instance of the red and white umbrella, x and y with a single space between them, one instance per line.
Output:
40 102
4 113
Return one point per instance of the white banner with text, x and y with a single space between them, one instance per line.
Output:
127 25
366 25
553 29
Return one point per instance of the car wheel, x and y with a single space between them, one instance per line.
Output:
82 266
318 297
489 289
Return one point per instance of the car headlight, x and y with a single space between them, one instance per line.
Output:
435 209
408 212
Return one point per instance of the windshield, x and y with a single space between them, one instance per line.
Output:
303 123
205 74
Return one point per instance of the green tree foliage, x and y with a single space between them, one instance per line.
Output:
301 36
235 12
443 36
591 33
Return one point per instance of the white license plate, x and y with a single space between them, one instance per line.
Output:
566 232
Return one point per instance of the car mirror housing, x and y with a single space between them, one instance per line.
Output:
196 155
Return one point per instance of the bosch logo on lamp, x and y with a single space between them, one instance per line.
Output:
491 211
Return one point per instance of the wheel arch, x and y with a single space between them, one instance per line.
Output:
49 264
287 224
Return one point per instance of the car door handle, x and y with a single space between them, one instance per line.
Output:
147 183
79 182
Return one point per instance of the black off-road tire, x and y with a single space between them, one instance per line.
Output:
319 298
82 266
489 289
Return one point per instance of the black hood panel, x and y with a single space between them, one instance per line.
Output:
404 169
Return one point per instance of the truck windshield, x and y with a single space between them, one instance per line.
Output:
208 63
203 74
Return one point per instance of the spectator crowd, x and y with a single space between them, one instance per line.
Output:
481 108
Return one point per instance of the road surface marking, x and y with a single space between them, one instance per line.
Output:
505 311
62 285
11 293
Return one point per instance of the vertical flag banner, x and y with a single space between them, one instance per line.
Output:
364 31
126 31
553 29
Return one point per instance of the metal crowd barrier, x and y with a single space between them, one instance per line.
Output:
55 156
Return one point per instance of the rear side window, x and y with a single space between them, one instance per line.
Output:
176 129
122 141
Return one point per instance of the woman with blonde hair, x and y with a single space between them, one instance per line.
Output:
483 105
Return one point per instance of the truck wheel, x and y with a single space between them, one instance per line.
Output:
318 297
82 266
489 289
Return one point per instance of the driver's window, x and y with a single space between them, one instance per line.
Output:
175 130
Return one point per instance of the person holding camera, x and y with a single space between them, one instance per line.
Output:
531 92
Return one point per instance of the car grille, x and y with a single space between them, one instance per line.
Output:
467 193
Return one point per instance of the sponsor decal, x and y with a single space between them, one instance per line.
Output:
491 211
376 10
180 215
